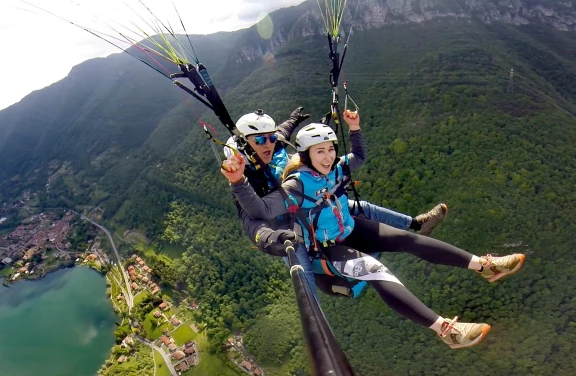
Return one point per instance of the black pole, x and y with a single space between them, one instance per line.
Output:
324 352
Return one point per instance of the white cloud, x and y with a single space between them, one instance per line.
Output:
40 49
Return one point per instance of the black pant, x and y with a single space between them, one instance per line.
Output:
351 260
369 236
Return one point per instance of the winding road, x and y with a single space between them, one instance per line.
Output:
164 355
128 292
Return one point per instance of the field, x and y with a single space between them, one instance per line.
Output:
161 369
184 334
153 333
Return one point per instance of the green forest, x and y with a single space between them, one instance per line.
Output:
442 124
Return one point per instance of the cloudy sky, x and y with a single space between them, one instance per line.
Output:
39 49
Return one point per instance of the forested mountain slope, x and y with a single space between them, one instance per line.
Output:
443 123
441 126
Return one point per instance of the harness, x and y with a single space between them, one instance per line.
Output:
309 218
327 277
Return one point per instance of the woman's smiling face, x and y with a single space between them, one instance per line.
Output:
322 156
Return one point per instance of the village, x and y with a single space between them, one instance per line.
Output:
37 246
41 243
140 276
45 242
185 356
238 353
168 329
162 327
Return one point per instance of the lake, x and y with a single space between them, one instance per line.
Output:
62 325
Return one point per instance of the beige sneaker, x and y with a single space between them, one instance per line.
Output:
495 268
459 335
432 218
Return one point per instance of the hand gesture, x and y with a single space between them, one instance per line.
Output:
233 168
352 118
298 115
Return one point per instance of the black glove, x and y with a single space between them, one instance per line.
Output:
298 115
272 242
326 119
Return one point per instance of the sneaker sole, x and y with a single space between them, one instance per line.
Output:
485 331
444 214
502 275
445 209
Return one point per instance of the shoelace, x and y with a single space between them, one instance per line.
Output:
425 217
449 327
489 260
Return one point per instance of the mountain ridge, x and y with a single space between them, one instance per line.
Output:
372 14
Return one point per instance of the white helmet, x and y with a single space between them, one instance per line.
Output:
314 134
255 122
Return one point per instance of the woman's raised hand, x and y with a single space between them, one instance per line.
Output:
352 118
233 168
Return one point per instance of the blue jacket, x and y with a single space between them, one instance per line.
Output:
325 205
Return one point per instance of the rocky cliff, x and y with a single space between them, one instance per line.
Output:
305 20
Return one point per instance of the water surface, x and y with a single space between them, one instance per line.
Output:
62 325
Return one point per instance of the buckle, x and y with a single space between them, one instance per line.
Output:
328 243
